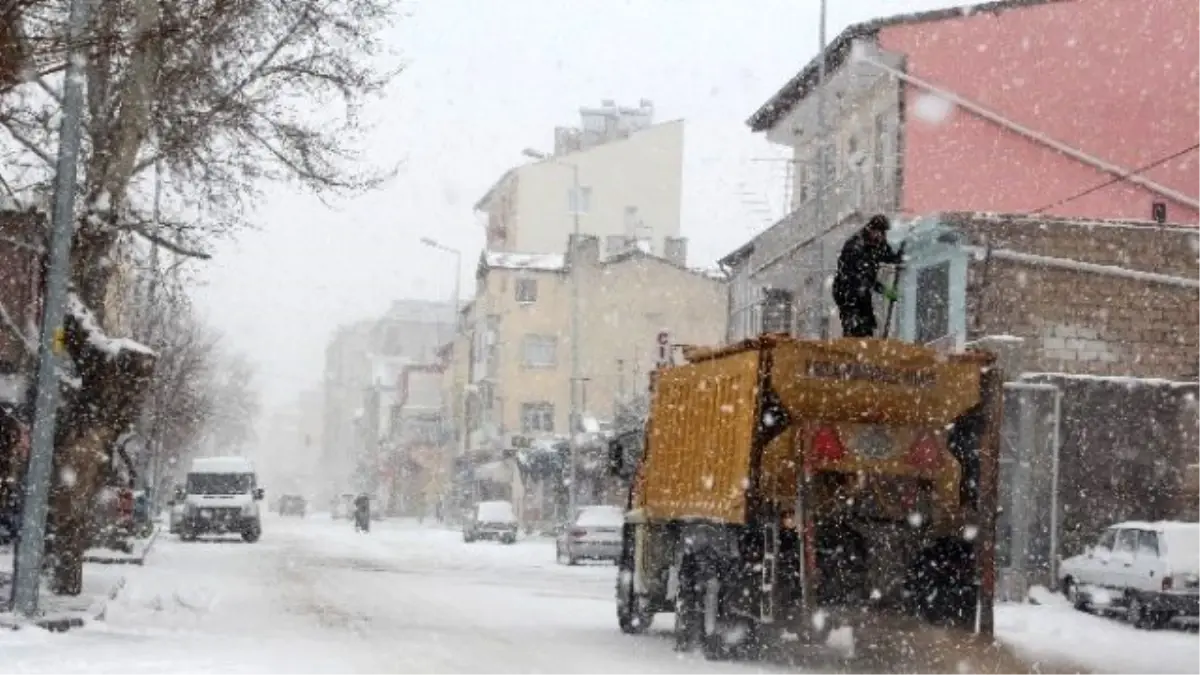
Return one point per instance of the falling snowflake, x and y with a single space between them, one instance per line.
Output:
708 482
727 409
970 532
819 619
933 108
68 476
915 519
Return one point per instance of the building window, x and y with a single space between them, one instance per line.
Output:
537 417
526 290
539 351
631 220
933 303
580 202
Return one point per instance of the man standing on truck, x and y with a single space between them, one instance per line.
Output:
857 277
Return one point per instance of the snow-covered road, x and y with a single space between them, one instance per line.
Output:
313 596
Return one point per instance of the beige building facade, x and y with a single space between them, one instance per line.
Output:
522 372
630 188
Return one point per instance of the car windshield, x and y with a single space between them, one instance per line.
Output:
219 483
1183 547
601 516
496 512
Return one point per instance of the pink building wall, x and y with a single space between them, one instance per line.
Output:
1117 79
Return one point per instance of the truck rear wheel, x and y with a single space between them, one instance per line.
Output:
689 612
633 615
723 635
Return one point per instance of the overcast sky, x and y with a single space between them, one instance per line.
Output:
485 79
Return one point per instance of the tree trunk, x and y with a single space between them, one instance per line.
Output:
112 386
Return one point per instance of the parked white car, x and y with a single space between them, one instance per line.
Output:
1151 571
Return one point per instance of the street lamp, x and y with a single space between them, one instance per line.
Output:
431 243
576 415
457 274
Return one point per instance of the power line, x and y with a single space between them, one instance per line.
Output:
1117 179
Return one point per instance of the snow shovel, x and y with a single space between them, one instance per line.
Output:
887 321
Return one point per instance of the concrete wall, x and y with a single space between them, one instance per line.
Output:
1082 322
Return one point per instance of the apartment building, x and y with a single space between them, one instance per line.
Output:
520 372
1012 107
630 174
363 362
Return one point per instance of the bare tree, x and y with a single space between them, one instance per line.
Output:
223 94
180 401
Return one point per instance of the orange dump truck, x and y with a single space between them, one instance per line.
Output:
895 447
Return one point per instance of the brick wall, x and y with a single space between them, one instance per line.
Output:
19 280
1083 322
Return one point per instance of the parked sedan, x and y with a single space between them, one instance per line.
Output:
292 505
491 520
1148 571
594 535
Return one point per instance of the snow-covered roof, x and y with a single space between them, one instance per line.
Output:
543 262
1158 525
222 465
1126 380
710 272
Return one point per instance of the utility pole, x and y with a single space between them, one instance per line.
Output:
31 546
822 177
800 506
576 412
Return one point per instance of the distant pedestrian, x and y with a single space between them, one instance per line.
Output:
362 513
858 276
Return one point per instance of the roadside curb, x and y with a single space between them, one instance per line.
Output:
127 560
62 623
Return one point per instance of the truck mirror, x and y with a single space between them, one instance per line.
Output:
258 494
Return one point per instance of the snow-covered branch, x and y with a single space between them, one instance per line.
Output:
96 336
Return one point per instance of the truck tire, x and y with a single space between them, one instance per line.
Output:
633 615
689 612
723 636
251 534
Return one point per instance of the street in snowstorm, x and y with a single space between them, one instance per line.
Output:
313 596
656 336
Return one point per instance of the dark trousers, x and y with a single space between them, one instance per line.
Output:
858 315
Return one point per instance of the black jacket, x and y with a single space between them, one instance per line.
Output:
858 267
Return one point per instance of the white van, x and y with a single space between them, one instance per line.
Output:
222 497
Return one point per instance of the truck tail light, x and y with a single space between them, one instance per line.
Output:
826 445
1168 583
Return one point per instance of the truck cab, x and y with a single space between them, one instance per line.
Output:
221 496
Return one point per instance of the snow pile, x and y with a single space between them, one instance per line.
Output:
12 388
112 347
544 262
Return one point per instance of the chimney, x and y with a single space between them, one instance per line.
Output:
584 249
675 250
